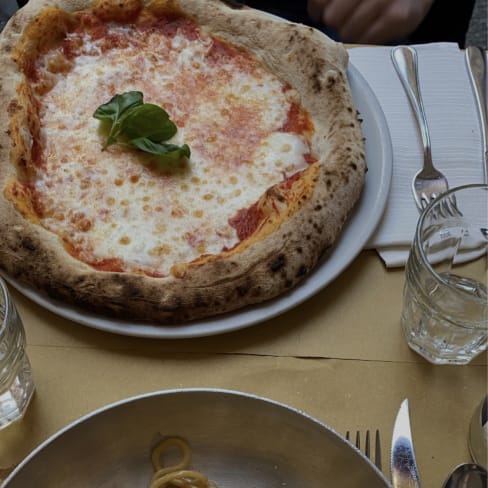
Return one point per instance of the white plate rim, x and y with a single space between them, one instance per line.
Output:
355 235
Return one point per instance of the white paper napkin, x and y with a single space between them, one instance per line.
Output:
454 132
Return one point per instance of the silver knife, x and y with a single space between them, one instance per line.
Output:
476 64
404 472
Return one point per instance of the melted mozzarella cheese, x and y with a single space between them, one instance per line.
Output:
114 204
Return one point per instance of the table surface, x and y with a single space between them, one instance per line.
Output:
340 357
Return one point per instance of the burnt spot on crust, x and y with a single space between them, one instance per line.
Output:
242 290
278 263
292 37
15 24
257 292
302 271
331 79
316 75
28 244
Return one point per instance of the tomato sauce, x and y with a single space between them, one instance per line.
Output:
246 221
297 120
109 264
31 71
221 51
170 25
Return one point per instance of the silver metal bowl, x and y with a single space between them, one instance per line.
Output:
238 440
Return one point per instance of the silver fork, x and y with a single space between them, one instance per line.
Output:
428 183
367 446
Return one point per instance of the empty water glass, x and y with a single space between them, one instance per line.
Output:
445 310
16 383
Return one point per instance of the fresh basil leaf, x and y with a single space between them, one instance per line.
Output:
144 126
167 152
149 121
114 109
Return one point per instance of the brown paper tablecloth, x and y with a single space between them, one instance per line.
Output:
340 357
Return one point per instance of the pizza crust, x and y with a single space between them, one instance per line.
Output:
270 262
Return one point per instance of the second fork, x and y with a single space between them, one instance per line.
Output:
367 446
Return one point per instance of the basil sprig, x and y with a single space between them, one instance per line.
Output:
144 126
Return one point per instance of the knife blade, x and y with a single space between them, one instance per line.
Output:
404 471
476 65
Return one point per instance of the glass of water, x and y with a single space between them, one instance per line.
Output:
445 308
16 384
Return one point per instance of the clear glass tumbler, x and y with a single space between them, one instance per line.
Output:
445 307
16 383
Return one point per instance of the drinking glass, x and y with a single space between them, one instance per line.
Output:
445 309
16 383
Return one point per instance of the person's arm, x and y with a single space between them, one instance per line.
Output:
370 21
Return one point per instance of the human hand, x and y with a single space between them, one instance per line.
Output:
370 21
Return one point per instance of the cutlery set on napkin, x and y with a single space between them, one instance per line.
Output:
455 133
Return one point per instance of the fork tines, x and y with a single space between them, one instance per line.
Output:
367 446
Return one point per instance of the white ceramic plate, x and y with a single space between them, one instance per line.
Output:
352 240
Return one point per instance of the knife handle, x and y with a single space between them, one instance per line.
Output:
476 64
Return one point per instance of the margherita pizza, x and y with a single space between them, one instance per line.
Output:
170 160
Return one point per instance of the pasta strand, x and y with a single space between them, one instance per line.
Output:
178 475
